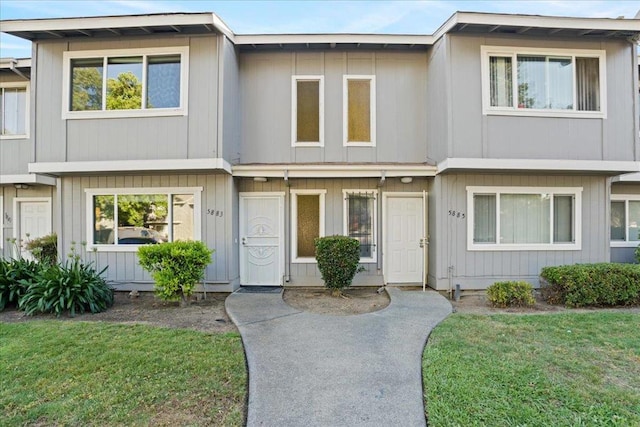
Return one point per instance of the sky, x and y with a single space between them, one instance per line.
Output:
264 17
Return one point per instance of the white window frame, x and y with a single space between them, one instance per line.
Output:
294 222
345 110
576 192
513 52
374 225
294 110
115 247
626 198
181 110
27 87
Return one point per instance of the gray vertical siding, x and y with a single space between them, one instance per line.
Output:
123 268
174 137
401 87
492 136
230 102
307 274
479 269
438 101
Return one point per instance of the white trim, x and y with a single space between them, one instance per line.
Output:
280 195
576 192
28 178
513 52
626 198
386 39
9 63
630 177
294 110
115 247
181 110
16 216
334 171
606 166
27 113
385 228
374 226
345 110
294 222
131 166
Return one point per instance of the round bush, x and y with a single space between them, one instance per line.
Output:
338 258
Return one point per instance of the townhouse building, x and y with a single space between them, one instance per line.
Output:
482 152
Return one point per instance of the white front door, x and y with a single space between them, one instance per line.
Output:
34 219
404 228
261 239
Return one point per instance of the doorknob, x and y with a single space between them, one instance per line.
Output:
244 241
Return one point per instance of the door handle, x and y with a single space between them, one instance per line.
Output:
244 241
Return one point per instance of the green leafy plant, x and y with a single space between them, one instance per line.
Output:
72 287
338 258
44 249
176 267
513 293
13 276
638 254
601 284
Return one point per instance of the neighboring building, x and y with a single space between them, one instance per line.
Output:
483 152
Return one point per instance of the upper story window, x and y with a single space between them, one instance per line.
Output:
307 123
125 83
522 218
543 82
14 110
625 220
359 110
121 219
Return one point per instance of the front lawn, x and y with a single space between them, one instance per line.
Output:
92 373
573 369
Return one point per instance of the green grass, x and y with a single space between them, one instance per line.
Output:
534 370
92 373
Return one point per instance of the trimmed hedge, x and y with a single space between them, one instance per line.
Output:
602 284
338 258
507 294
638 254
176 267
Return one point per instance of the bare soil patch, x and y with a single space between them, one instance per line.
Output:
205 314
353 301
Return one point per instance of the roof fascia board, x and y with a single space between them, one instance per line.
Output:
60 168
28 178
5 63
604 166
548 21
395 39
332 171
128 21
630 177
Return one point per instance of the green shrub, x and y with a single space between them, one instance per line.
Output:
176 267
603 284
44 249
13 276
73 286
507 294
638 254
338 258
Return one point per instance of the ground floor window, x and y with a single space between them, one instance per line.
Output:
625 220
360 219
126 218
307 223
515 218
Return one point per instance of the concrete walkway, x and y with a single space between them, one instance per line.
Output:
314 370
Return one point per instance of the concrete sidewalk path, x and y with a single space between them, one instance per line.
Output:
308 369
